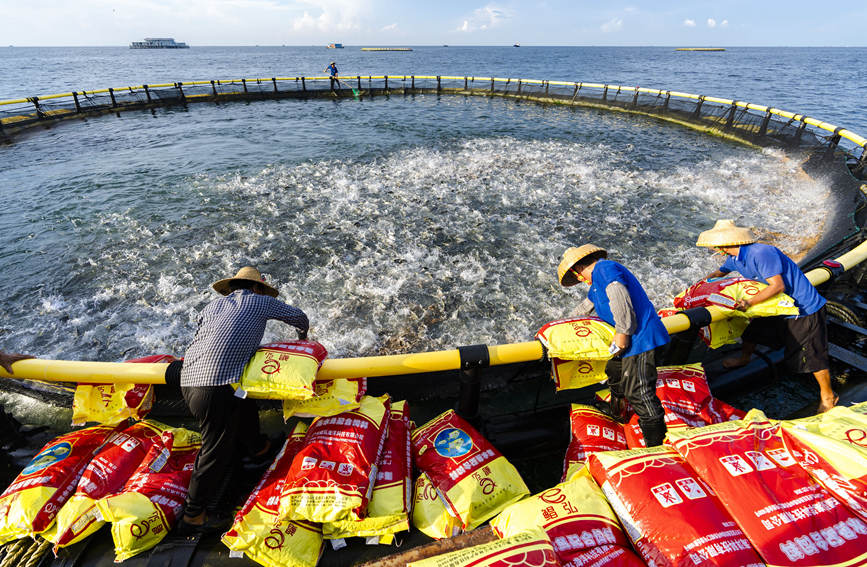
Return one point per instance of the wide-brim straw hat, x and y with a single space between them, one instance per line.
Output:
574 256
725 233
246 273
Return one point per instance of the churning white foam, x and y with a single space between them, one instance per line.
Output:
422 249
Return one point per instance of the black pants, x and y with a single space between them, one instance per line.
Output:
230 428
634 378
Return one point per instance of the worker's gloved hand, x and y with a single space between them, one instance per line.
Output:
302 335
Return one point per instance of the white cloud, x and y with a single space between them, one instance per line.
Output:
390 27
485 18
689 23
724 23
331 15
711 23
612 25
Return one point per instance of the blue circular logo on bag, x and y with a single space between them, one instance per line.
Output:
48 457
452 442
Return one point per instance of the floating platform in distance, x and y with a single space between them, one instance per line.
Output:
158 43
386 48
700 49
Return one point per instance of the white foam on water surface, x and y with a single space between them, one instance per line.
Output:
423 248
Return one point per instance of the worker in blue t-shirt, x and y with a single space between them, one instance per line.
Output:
335 78
617 298
805 335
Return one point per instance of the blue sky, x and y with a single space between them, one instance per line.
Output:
389 22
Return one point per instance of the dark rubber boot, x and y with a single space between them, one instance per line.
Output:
653 431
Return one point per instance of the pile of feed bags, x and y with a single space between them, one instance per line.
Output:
579 349
686 398
152 500
29 505
105 474
725 293
669 514
786 514
135 478
472 479
110 404
347 475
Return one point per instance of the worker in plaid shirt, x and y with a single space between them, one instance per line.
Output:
229 331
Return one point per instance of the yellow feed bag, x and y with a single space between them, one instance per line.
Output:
724 332
282 371
582 338
572 374
429 514
575 515
472 478
832 447
388 509
530 549
111 403
331 397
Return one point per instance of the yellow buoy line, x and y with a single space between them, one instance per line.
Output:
15 112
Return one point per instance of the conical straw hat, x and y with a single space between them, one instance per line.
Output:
573 256
725 233
246 273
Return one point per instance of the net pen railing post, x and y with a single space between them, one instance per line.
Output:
754 122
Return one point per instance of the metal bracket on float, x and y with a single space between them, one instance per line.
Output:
833 267
698 317
473 358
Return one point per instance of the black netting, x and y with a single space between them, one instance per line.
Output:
756 126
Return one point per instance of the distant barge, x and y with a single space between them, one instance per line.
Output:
158 43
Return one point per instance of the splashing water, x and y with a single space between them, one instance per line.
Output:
423 245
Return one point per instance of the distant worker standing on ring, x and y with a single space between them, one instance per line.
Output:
229 331
616 297
335 78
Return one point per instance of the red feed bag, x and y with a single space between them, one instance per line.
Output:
591 431
788 517
670 515
331 478
687 401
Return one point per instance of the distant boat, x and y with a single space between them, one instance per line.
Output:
517 44
444 45
335 46
158 43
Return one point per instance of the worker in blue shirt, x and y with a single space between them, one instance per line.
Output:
332 70
805 335
616 297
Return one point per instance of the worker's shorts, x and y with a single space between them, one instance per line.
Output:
805 338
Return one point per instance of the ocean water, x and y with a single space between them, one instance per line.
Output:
399 224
